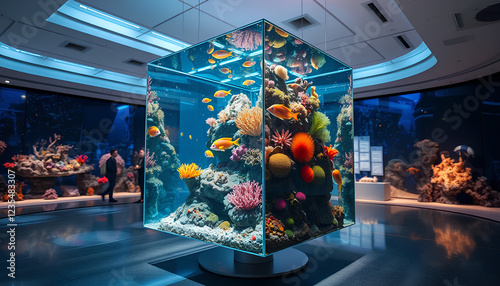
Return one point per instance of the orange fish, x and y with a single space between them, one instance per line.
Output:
221 54
211 108
224 143
153 131
230 76
212 61
206 100
338 178
248 64
248 82
412 170
210 48
225 70
283 112
222 93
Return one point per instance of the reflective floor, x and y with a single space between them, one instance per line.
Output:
389 245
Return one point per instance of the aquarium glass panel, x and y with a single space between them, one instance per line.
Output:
249 141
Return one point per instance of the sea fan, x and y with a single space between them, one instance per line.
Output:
246 196
246 39
249 121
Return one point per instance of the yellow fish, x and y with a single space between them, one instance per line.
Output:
225 70
153 131
190 137
211 108
206 100
182 133
221 54
282 112
248 64
338 178
222 93
211 61
224 143
210 48
209 154
248 82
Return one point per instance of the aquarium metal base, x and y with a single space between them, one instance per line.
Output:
234 263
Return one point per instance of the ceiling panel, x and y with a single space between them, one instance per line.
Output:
390 47
185 27
147 13
29 11
356 55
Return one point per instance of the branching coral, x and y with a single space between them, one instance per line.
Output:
211 121
3 146
246 196
189 171
283 139
81 159
249 121
246 39
223 117
150 162
19 158
238 152
319 127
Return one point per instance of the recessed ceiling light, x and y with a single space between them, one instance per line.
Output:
7 81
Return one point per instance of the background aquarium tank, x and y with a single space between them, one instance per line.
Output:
249 141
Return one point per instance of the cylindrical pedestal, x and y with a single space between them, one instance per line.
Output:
235 263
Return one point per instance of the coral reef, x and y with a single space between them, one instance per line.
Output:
246 196
3 146
246 39
252 157
302 147
238 152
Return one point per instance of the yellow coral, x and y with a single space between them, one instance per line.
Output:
249 121
225 225
189 171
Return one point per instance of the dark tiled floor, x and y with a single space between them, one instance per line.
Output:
389 245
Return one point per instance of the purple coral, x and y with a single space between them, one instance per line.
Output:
50 194
246 196
280 204
349 160
120 163
238 152
283 139
300 196
211 121
246 39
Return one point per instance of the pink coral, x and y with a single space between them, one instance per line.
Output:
300 196
283 139
349 161
280 204
246 39
150 162
19 158
246 196
211 121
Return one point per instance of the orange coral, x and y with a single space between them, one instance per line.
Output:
330 152
302 147
189 171
90 191
249 121
274 226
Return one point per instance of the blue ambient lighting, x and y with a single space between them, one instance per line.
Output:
30 63
417 61
97 23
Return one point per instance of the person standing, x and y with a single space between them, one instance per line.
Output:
111 172
140 169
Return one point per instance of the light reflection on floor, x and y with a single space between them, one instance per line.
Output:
107 246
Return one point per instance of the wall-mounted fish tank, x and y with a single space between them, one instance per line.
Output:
250 141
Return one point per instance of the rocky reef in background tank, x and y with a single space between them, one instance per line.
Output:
440 178
268 136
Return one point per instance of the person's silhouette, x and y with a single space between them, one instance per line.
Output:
111 172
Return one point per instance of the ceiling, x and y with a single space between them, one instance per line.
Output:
348 30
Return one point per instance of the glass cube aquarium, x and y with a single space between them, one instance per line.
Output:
249 141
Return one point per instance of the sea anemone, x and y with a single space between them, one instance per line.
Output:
283 139
249 121
307 174
330 151
281 71
280 204
189 171
279 164
302 147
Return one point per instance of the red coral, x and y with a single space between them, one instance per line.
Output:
283 139
102 180
81 159
9 165
307 174
246 196
302 147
